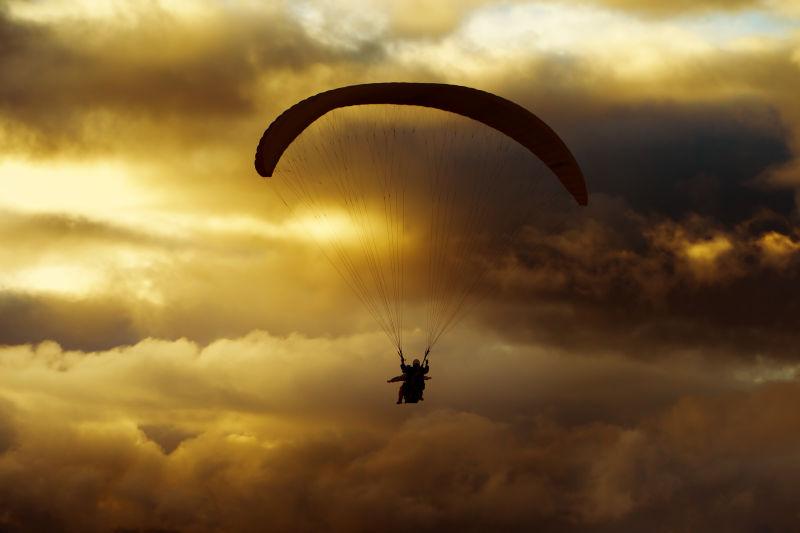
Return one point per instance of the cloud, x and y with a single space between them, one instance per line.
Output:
704 159
440 19
74 84
90 324
89 283
166 436
691 284
654 7
301 434
8 435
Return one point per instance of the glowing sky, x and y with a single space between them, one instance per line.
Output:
177 355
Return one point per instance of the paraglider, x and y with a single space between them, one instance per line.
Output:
413 379
417 193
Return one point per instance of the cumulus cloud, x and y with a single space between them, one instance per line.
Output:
300 434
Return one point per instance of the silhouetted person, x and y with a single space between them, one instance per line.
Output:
413 378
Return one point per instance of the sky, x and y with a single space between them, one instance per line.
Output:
177 354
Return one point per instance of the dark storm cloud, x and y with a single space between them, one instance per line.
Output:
676 159
648 286
665 151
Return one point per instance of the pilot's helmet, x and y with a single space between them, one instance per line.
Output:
416 362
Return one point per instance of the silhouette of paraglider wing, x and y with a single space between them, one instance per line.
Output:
503 115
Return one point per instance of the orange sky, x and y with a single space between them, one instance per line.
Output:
176 354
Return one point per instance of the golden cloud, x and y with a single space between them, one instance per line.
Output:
259 432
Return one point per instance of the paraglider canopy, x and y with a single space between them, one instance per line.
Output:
492 110
422 190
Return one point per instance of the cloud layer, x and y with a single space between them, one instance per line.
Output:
298 434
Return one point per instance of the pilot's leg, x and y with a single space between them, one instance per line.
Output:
400 393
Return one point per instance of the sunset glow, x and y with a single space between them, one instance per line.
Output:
180 350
